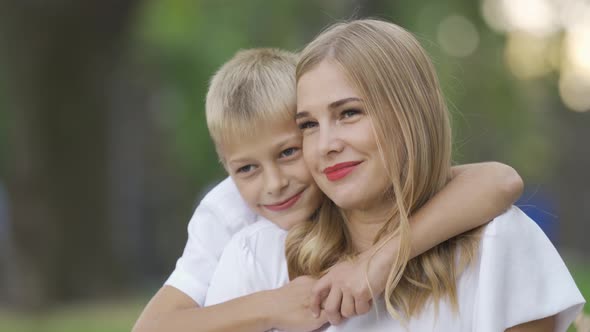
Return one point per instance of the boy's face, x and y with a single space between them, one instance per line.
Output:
271 175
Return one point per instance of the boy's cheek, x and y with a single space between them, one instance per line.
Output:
303 174
248 191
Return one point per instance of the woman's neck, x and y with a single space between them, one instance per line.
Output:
364 225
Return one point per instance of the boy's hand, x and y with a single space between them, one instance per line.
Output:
290 307
344 290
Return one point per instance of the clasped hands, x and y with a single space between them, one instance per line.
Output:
346 290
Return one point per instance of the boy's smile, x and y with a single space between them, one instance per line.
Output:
284 204
270 173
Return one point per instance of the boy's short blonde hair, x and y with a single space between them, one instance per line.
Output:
255 87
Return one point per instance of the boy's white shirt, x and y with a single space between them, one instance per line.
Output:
220 214
254 260
518 277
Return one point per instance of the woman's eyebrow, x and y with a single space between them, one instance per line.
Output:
332 105
341 102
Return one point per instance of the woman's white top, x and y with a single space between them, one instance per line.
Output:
519 277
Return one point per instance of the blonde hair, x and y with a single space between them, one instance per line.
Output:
402 96
254 87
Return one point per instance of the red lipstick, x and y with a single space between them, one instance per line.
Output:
338 171
284 204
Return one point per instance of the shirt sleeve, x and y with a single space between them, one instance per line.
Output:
232 278
210 229
522 277
253 261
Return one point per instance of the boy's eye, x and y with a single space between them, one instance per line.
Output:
245 169
306 125
289 152
349 113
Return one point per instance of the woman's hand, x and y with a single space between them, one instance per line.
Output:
348 288
290 309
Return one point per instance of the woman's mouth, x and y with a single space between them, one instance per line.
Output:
339 171
284 204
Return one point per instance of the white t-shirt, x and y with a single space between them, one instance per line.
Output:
221 213
519 277
254 260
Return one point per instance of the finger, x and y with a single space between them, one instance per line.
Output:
318 322
319 292
362 306
347 308
332 306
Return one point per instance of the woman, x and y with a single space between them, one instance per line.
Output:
377 140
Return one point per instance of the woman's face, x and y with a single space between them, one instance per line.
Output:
339 145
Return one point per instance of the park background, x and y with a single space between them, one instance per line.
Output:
104 151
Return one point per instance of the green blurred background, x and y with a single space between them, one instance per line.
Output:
104 151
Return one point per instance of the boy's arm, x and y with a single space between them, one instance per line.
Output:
238 273
476 194
172 310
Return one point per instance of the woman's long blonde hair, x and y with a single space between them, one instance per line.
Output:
402 96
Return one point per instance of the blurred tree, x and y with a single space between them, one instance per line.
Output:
57 56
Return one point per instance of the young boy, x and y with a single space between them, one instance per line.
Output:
250 109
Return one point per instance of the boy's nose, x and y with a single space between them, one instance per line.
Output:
275 181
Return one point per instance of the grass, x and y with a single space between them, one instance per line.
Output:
582 276
119 316
96 317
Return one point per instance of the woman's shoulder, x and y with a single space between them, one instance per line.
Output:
521 276
513 240
511 223
512 227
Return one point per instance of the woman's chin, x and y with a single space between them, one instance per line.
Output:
347 203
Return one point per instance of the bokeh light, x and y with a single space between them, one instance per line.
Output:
536 17
529 56
457 36
577 47
533 16
573 13
574 90
546 35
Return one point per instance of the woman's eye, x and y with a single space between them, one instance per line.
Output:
289 152
306 125
245 169
349 113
